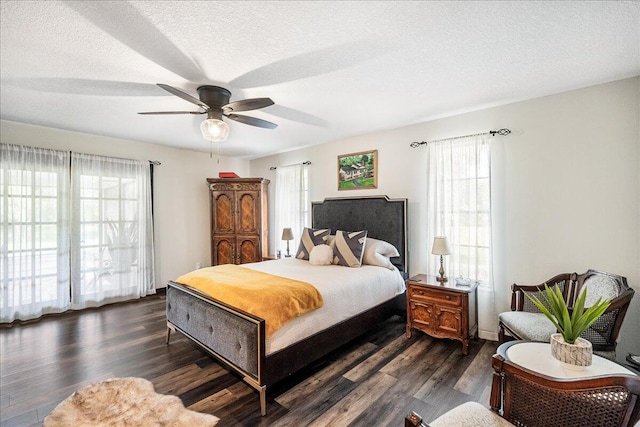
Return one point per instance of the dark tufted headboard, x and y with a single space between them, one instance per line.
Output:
383 218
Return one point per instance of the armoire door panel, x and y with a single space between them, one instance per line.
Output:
224 216
248 212
248 250
224 251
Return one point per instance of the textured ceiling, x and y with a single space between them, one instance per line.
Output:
333 69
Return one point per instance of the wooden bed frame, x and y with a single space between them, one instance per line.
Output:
237 338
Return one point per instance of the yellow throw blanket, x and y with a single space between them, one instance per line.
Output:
275 299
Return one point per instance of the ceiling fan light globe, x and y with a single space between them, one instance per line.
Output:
214 130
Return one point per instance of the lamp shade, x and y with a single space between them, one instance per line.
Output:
287 234
214 130
441 246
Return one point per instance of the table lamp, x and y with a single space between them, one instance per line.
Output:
287 235
441 247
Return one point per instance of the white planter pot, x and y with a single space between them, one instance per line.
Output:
576 356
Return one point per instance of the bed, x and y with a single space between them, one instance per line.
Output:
237 338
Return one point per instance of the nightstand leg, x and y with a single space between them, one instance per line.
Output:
465 347
408 331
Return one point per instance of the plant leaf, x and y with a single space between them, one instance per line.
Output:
570 325
542 307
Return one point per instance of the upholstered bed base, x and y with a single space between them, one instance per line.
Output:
235 337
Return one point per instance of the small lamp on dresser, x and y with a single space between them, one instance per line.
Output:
441 247
287 235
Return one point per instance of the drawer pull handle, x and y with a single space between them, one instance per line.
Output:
421 292
448 296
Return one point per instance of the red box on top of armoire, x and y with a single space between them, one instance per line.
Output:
227 175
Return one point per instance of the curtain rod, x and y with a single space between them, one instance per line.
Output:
502 132
307 163
155 162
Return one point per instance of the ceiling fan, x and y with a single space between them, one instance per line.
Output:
214 100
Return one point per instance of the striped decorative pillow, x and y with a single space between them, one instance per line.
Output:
309 239
349 247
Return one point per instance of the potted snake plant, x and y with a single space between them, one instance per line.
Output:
567 345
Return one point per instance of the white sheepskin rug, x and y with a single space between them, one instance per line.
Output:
124 402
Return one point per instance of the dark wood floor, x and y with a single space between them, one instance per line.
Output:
374 381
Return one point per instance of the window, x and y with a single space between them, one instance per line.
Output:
292 204
76 231
459 207
111 208
34 269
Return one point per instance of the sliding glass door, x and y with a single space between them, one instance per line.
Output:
34 209
76 231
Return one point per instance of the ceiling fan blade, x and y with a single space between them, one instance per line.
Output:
173 112
248 104
185 96
125 22
252 121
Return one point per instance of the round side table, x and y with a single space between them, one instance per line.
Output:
536 356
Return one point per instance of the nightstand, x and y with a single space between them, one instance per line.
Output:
442 310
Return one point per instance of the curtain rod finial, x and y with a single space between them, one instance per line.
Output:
501 132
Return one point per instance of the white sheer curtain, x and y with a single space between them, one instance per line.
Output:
34 210
459 207
292 204
76 231
112 243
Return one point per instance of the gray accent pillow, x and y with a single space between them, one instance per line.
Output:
310 238
348 247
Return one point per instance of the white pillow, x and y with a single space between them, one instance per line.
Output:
321 255
378 252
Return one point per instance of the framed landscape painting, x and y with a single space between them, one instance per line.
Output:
358 171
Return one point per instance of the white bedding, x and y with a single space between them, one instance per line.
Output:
346 292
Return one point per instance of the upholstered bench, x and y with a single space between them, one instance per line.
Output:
526 322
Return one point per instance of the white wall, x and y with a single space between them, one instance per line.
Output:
568 185
181 195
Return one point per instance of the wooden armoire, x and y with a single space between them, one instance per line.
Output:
239 220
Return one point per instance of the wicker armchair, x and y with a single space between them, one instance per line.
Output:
526 398
525 322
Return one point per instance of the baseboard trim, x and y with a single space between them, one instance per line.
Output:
488 335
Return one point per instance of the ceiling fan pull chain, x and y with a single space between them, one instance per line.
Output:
218 151
211 149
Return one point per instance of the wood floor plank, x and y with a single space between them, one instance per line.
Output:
375 380
310 386
307 411
387 408
476 377
185 378
449 371
356 402
370 364
409 356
